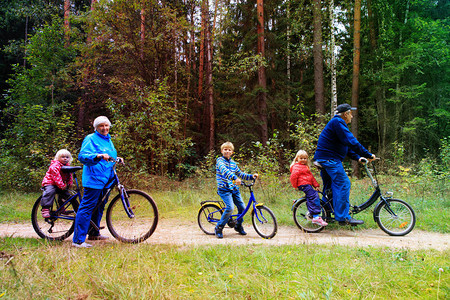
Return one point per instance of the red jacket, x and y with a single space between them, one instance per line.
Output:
55 177
301 175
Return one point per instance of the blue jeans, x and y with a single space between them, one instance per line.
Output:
230 197
85 215
334 176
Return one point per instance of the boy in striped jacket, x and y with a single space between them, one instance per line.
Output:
229 177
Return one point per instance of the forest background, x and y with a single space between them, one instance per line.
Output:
178 78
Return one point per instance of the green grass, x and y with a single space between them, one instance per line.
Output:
430 200
34 268
42 270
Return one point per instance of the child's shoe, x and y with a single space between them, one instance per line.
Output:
240 229
45 213
218 232
319 221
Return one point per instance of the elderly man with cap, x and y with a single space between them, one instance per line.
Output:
95 152
334 144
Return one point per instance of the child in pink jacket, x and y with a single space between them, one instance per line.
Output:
56 182
302 179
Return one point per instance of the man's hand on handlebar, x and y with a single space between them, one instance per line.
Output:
365 160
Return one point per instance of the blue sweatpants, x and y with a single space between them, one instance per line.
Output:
334 176
312 199
86 213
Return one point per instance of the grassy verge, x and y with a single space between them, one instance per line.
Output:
36 269
430 200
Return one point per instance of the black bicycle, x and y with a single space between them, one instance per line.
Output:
393 216
131 217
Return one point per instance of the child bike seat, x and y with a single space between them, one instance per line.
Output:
70 169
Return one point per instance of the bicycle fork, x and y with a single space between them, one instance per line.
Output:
126 203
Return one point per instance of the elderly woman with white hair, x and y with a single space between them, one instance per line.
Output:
95 151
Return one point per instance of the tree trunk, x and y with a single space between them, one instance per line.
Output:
188 68
288 63
333 62
355 83
142 32
209 97
66 21
204 10
318 58
262 82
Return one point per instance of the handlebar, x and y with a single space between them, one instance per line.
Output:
252 183
365 160
118 160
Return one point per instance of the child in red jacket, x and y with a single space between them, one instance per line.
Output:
303 179
56 182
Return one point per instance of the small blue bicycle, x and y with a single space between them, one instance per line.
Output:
263 219
131 216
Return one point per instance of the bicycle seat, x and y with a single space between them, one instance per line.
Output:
318 165
70 169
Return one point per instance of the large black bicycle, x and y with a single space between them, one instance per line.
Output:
131 217
393 216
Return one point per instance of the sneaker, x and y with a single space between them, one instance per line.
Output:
240 229
97 237
319 221
45 213
82 245
218 232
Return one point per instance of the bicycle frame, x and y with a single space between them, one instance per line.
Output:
113 182
355 209
236 217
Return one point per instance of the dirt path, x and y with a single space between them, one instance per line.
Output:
188 233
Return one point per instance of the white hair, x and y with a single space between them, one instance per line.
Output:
101 120
63 152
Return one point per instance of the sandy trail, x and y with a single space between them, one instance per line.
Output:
171 231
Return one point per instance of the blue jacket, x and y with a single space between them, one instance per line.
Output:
226 171
96 173
336 142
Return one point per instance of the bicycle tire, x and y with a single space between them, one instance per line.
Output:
399 224
302 217
138 228
264 222
55 228
208 217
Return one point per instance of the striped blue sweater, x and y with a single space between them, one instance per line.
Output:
226 172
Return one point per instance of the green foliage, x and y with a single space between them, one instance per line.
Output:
306 131
147 131
31 142
41 118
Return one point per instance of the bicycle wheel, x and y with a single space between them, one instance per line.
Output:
135 229
57 227
303 218
264 222
396 217
208 216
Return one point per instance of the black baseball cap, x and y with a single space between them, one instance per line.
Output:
344 107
